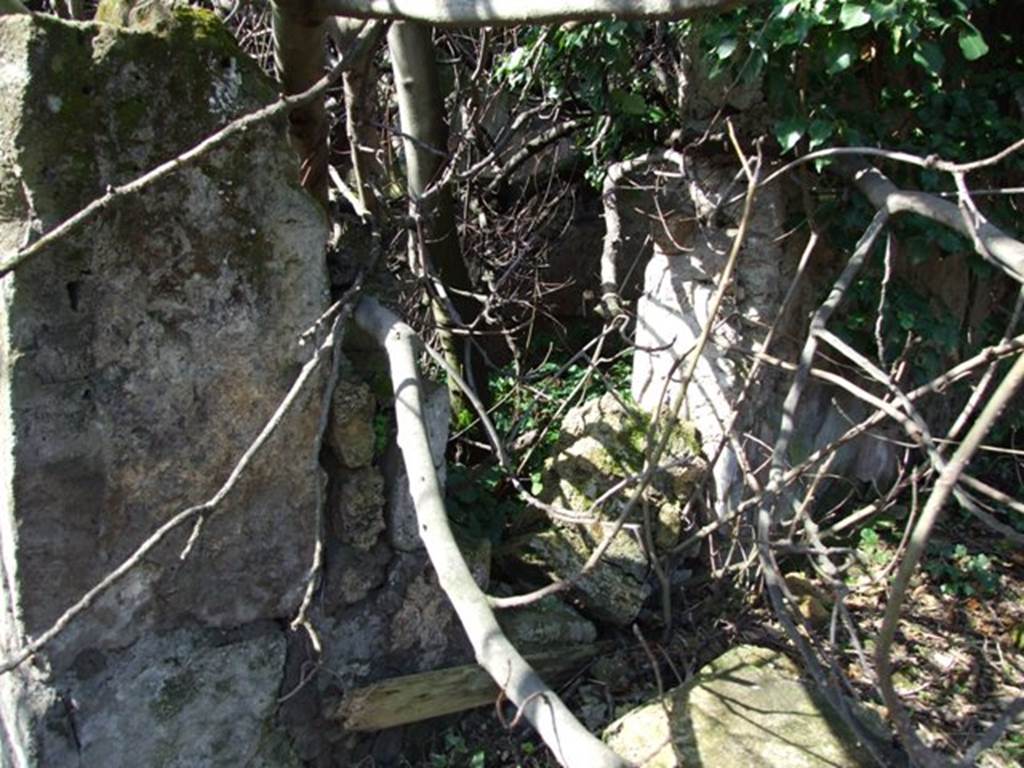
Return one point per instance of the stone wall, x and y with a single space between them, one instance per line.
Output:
689 253
140 357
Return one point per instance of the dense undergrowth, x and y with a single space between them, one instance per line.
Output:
939 78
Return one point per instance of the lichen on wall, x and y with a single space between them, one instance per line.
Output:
601 452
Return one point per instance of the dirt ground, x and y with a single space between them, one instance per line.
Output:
959 654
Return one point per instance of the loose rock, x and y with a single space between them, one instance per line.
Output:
749 707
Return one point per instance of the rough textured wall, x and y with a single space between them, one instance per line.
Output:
690 252
691 249
139 358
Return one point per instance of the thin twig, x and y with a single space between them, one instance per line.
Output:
571 743
944 487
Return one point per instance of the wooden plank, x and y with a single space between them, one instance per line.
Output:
412 698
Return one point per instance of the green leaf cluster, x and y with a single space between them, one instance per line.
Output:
477 503
480 500
962 573
456 753
930 76
596 69
914 74
873 547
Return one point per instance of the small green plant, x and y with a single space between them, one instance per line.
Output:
533 401
476 502
463 419
382 428
873 547
961 573
457 754
480 500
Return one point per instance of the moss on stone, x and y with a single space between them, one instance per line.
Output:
202 27
175 694
605 441
613 593
547 623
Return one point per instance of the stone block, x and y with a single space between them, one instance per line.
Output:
748 707
143 354
139 357
182 700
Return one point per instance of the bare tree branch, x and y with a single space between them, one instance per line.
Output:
944 488
572 744
532 147
777 491
990 241
610 299
492 13
1004 251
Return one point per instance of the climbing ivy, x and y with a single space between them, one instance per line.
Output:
913 74
942 77
599 69
935 76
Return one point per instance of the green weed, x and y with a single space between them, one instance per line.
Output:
961 573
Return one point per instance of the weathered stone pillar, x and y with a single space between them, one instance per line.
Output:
140 357
690 252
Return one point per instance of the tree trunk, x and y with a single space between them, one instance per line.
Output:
300 56
425 139
360 112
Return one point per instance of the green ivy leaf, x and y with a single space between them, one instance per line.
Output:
852 16
818 132
907 320
930 57
839 55
725 48
789 132
788 9
628 102
897 38
882 12
656 115
972 44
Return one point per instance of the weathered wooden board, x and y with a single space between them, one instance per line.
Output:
412 698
